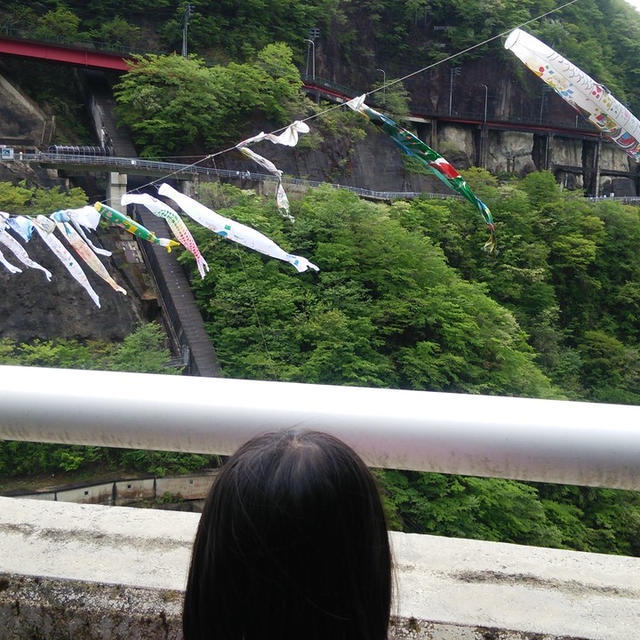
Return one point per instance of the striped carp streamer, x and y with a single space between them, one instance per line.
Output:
232 230
428 158
590 99
133 227
175 222
62 220
89 218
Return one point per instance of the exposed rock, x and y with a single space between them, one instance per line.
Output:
22 122
33 308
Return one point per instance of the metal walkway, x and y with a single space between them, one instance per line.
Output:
176 171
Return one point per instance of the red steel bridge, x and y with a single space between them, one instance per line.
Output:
64 53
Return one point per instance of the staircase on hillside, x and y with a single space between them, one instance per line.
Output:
179 308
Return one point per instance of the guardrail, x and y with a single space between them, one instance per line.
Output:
174 169
520 438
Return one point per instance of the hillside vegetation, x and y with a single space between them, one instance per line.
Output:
601 36
405 296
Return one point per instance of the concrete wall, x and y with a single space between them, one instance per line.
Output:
90 572
126 492
22 122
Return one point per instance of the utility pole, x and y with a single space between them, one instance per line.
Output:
188 11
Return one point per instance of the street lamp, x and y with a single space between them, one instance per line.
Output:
455 71
486 93
384 86
313 58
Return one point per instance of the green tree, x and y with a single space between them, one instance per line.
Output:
168 102
60 24
173 103
116 33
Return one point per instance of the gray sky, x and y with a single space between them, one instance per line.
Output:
635 4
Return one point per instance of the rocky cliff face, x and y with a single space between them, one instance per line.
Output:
22 122
31 307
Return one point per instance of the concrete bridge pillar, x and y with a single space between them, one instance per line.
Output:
433 142
549 151
190 187
116 188
483 146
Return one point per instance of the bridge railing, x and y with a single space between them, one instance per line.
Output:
567 120
80 41
520 438
174 169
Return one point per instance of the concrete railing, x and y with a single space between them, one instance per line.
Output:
129 491
113 573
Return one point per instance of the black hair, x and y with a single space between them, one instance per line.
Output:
292 544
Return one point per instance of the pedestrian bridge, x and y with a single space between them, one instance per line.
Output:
90 571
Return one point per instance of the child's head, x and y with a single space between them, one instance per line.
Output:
292 544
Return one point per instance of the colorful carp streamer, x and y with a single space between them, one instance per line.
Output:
288 138
233 230
177 226
592 100
62 220
430 159
45 228
133 227
18 250
89 218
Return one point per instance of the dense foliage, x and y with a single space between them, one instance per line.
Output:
142 351
171 102
406 298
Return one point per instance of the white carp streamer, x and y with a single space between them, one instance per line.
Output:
45 228
591 99
282 201
17 249
289 137
8 266
233 230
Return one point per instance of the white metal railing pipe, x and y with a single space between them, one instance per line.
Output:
520 438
